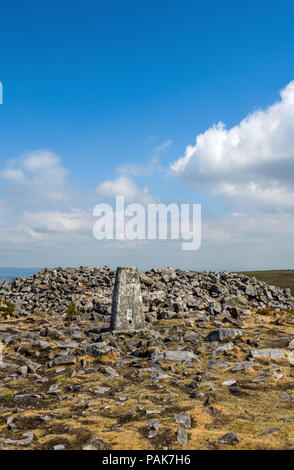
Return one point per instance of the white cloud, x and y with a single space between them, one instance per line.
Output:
251 196
40 159
55 221
125 186
250 166
16 175
38 201
36 177
132 169
253 160
153 165
163 147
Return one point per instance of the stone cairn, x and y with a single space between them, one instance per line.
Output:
166 293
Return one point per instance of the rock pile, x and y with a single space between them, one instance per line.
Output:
167 293
217 355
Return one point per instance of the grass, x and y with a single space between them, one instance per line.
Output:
281 277
249 411
72 311
6 309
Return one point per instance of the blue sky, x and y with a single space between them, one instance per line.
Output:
101 84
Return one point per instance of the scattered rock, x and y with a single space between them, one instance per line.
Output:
272 353
28 439
183 418
182 436
228 383
228 438
96 444
223 334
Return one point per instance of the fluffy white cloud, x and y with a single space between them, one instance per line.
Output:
38 201
125 186
40 160
15 175
36 177
251 196
53 221
253 160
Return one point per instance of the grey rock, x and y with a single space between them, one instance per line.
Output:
153 412
267 352
273 431
277 375
286 397
241 366
155 425
23 370
183 418
291 358
52 332
110 371
260 379
100 390
228 438
222 334
96 444
229 346
182 436
197 394
217 364
67 343
97 349
45 418
33 367
173 355
229 383
68 359
28 439
54 389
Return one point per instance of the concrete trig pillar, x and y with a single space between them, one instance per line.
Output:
127 306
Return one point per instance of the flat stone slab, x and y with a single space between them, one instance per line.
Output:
272 353
222 334
173 355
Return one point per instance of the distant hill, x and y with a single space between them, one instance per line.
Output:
279 277
7 274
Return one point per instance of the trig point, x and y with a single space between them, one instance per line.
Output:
127 306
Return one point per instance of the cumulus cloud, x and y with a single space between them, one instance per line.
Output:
252 161
251 196
125 186
40 160
38 201
16 175
37 177
55 221
41 215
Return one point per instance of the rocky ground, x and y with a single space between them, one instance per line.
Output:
214 369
